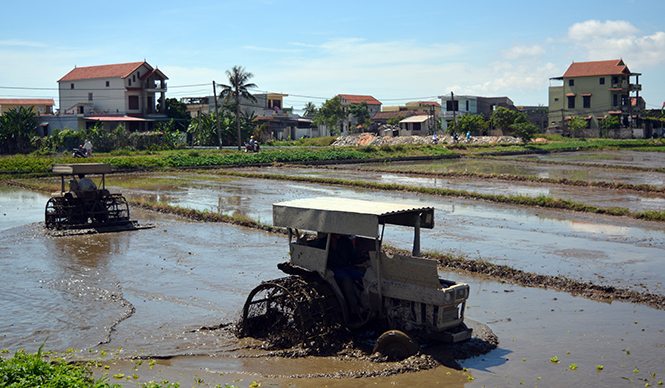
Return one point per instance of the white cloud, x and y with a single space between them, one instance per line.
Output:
618 39
523 51
594 28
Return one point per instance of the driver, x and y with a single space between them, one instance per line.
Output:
86 184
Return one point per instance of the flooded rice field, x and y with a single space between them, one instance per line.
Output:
608 158
508 166
632 200
173 292
605 250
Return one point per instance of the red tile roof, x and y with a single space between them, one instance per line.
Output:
391 114
353 99
589 69
27 101
121 70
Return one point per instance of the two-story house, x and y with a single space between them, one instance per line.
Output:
593 91
112 94
373 106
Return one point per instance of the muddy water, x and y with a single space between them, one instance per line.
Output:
605 250
508 166
631 200
152 291
17 207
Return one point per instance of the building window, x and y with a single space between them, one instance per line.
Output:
108 84
71 86
89 96
571 82
571 102
134 77
133 102
586 101
130 82
615 80
602 80
556 99
615 100
467 105
41 110
452 106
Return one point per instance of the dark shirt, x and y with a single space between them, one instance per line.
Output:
345 256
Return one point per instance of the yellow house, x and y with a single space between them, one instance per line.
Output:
40 106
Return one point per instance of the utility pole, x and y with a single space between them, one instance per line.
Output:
219 131
452 99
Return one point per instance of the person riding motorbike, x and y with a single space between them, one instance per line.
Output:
253 145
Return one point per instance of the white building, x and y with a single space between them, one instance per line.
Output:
122 93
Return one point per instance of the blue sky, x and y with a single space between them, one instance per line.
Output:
394 51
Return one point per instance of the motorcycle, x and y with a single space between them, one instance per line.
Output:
79 152
255 148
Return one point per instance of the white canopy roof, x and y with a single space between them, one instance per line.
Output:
415 119
348 216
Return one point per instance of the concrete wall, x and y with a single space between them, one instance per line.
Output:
74 122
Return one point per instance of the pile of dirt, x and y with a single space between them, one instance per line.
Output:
358 345
371 139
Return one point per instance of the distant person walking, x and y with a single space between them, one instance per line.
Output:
88 148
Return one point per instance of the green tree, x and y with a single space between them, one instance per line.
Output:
17 128
330 114
177 111
360 112
523 128
502 118
609 122
576 125
396 120
310 109
238 88
471 123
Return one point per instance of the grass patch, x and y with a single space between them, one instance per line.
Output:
35 370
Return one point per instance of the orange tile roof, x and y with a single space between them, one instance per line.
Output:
121 70
589 69
354 99
27 101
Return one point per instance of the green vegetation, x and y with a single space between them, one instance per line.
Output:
576 125
330 114
238 88
475 124
502 118
17 129
304 142
26 370
298 152
523 129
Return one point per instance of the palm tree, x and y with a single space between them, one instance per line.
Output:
236 89
310 109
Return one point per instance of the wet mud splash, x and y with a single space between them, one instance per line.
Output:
357 345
